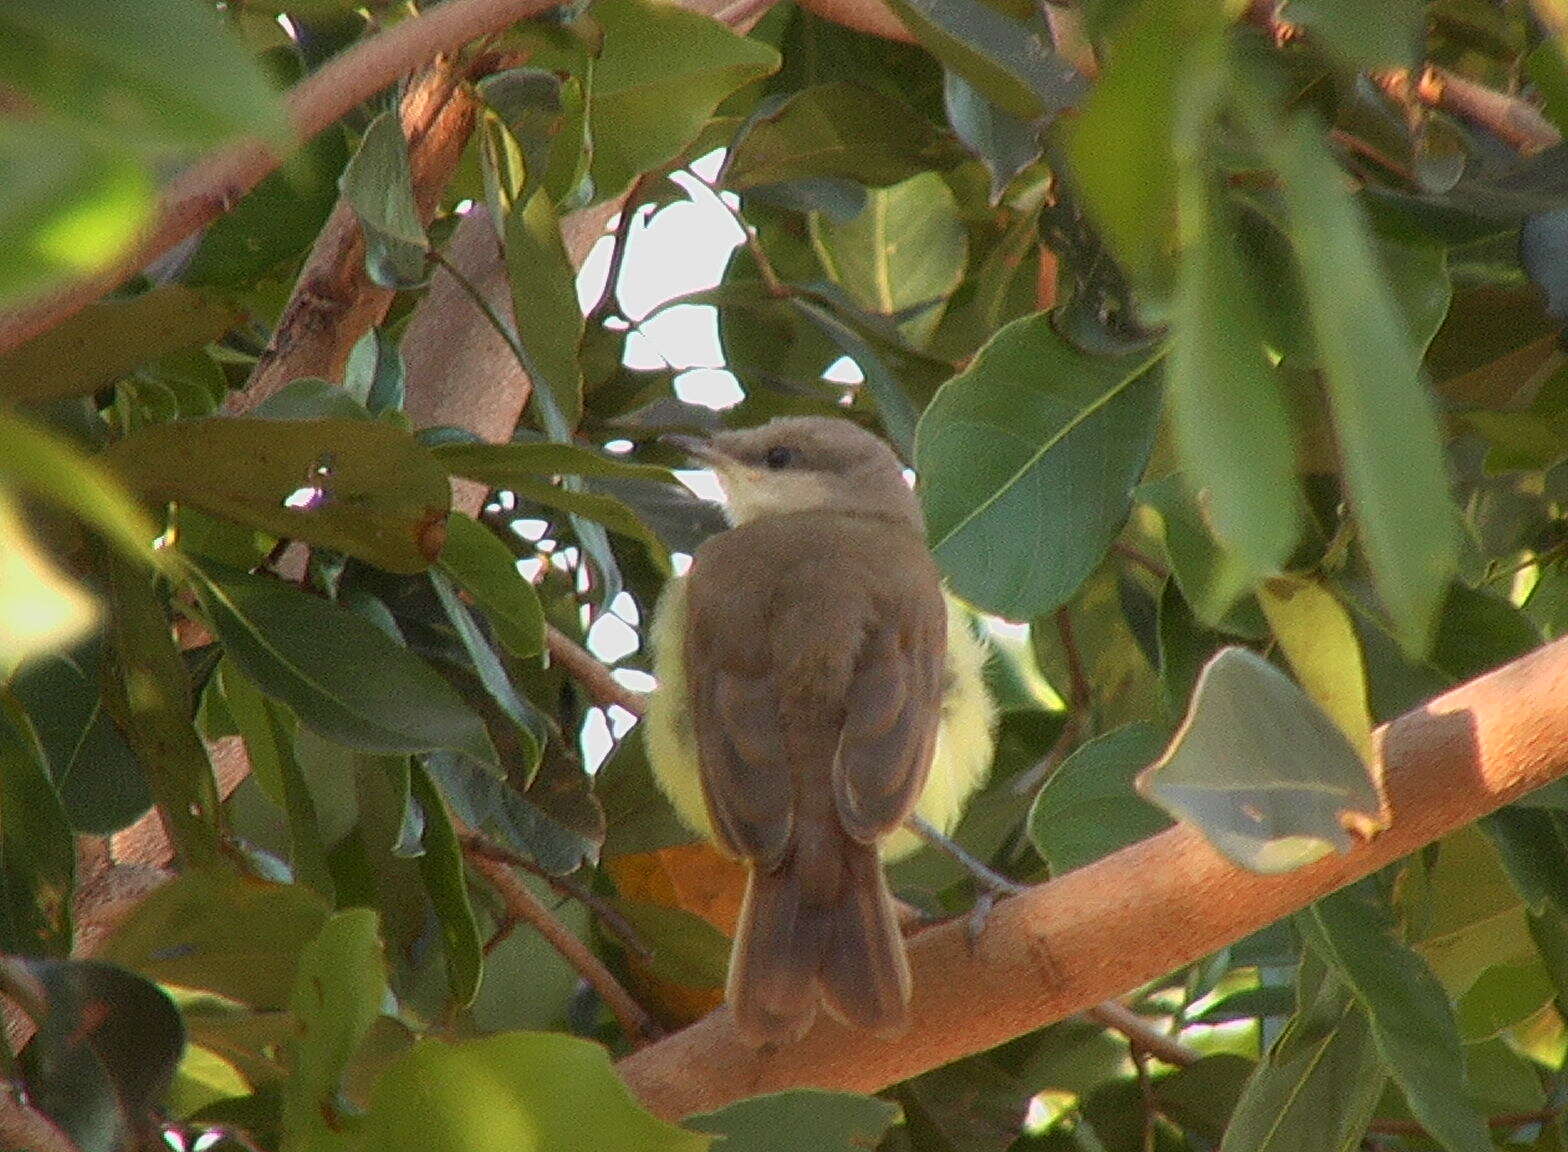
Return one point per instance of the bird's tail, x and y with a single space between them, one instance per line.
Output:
819 927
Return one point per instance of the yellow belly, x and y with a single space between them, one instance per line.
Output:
963 744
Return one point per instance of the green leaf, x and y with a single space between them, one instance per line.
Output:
1502 997
1353 931
1211 576
802 1118
1226 408
337 996
970 1105
1477 918
686 949
68 207
660 75
517 1091
904 253
375 375
544 304
379 183
540 460
1005 144
37 852
340 674
487 571
99 781
606 510
1264 775
268 729
1027 461
361 486
1007 60
1088 807
42 609
104 1052
109 338
840 130
441 866
1365 34
163 75
1317 1088
1319 640
894 408
1163 71
1375 389
44 464
148 692
221 932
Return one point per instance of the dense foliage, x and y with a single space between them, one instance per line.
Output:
1224 344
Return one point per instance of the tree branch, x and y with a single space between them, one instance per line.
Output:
523 904
334 302
600 682
212 185
1136 915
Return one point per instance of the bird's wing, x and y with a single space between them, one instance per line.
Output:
745 774
892 711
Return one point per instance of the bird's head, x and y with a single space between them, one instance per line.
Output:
804 464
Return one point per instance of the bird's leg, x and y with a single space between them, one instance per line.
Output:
992 884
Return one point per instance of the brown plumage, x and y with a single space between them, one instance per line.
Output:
814 646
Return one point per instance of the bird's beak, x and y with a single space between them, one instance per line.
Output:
697 448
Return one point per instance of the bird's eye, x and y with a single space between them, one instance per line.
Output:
779 456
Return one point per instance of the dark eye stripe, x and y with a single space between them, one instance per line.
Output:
779 456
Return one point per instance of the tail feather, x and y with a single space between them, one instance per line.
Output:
792 953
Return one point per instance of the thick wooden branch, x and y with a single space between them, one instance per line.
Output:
1140 913
208 188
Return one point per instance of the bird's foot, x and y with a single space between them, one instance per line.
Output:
992 884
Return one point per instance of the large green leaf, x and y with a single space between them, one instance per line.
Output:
903 253
659 77
518 1091
487 570
361 486
338 994
43 464
1211 576
37 853
805 1117
544 304
1006 59
1319 640
1027 462
1365 34
1259 770
99 781
1400 499
840 129
540 459
379 184
161 75
340 673
107 339
68 207
1226 407
221 932
1089 808
1317 1087
1353 931
441 866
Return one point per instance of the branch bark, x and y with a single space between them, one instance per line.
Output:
211 186
1094 933
334 302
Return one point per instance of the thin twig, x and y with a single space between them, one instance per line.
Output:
1151 1107
1078 681
593 675
477 844
609 297
1141 558
522 904
1142 1034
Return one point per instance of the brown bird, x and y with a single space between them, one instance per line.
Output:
803 665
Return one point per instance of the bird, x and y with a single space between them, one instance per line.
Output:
816 686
